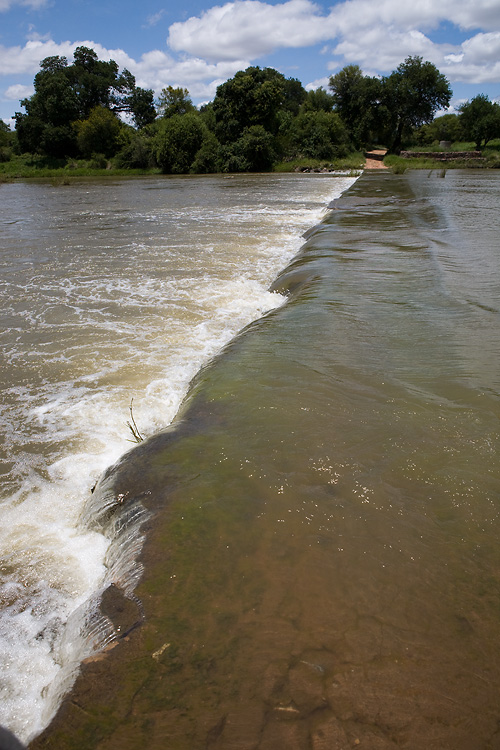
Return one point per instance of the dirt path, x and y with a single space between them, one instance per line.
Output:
375 159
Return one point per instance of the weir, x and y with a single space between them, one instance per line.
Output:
319 566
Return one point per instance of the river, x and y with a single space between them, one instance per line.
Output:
113 293
320 560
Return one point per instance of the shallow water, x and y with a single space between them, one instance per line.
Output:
112 292
322 565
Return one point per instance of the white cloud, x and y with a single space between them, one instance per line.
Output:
374 35
19 60
250 28
154 19
483 48
155 69
8 4
18 91
383 48
421 14
205 51
318 83
477 60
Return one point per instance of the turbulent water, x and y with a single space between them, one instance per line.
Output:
112 293
322 565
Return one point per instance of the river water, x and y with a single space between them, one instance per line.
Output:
112 293
321 557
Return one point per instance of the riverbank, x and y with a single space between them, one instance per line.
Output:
314 507
60 172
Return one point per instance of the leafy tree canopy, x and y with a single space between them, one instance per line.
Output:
413 94
254 97
67 93
444 128
357 99
320 134
480 120
177 142
386 109
174 101
318 99
99 133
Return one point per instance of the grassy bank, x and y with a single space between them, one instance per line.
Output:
61 171
27 166
490 158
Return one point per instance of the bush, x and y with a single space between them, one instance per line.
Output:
177 142
320 135
99 134
137 153
207 159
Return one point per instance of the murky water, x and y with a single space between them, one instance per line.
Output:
111 292
322 566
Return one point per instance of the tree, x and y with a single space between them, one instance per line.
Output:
319 134
140 104
65 94
252 152
480 120
174 101
99 133
412 94
254 96
177 142
357 99
5 141
444 128
318 99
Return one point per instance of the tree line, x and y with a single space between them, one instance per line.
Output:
90 110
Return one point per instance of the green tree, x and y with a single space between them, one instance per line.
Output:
412 94
320 135
46 126
94 82
174 101
5 141
207 158
254 96
480 120
99 133
177 142
252 152
319 99
140 103
65 94
357 99
444 128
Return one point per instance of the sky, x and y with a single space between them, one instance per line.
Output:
198 45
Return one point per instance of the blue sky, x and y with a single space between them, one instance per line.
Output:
201 44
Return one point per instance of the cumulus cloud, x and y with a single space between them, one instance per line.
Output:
19 60
155 69
383 48
18 91
424 14
206 50
250 29
374 35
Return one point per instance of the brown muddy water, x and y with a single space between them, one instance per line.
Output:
321 564
111 292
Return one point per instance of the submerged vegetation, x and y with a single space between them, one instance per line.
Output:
88 118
